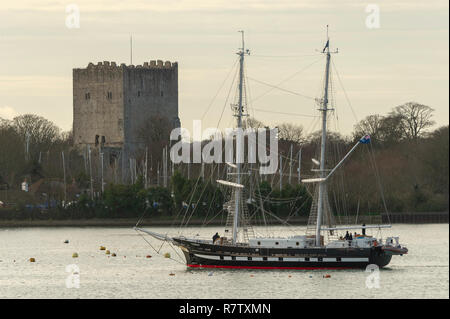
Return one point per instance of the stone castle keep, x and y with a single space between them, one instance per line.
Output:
111 103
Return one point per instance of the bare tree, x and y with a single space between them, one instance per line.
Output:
391 129
371 125
41 132
416 118
155 134
11 155
4 123
251 122
291 132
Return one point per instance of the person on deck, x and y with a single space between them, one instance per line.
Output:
346 235
215 237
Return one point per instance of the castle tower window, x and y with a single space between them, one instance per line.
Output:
139 93
96 140
162 93
103 140
87 96
109 95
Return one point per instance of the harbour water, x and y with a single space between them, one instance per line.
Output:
423 273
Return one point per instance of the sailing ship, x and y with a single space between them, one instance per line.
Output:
242 249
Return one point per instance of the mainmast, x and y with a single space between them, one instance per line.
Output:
324 109
237 194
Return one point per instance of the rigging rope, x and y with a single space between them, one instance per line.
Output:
281 89
287 79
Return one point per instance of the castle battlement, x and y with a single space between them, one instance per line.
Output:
153 64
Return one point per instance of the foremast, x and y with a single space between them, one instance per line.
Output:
237 194
324 109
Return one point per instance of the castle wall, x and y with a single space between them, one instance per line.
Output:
149 90
98 107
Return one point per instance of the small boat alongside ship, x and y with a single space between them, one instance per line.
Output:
320 248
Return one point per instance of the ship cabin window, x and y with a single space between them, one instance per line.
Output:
276 243
338 259
280 258
249 258
259 243
320 259
264 258
297 243
233 257
307 259
221 257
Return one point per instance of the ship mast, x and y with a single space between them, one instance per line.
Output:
324 109
237 194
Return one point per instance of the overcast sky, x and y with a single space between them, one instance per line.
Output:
405 59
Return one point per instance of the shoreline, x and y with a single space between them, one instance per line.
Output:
394 218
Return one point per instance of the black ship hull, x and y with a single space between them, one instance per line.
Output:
204 255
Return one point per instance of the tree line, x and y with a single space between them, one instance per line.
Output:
405 168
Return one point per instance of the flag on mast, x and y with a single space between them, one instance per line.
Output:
326 46
365 139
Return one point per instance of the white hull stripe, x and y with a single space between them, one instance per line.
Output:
355 259
239 258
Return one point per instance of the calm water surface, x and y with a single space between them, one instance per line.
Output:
423 273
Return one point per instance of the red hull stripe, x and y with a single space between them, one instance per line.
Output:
264 267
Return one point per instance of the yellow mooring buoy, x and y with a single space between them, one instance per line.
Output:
32 260
167 255
75 255
102 247
107 252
